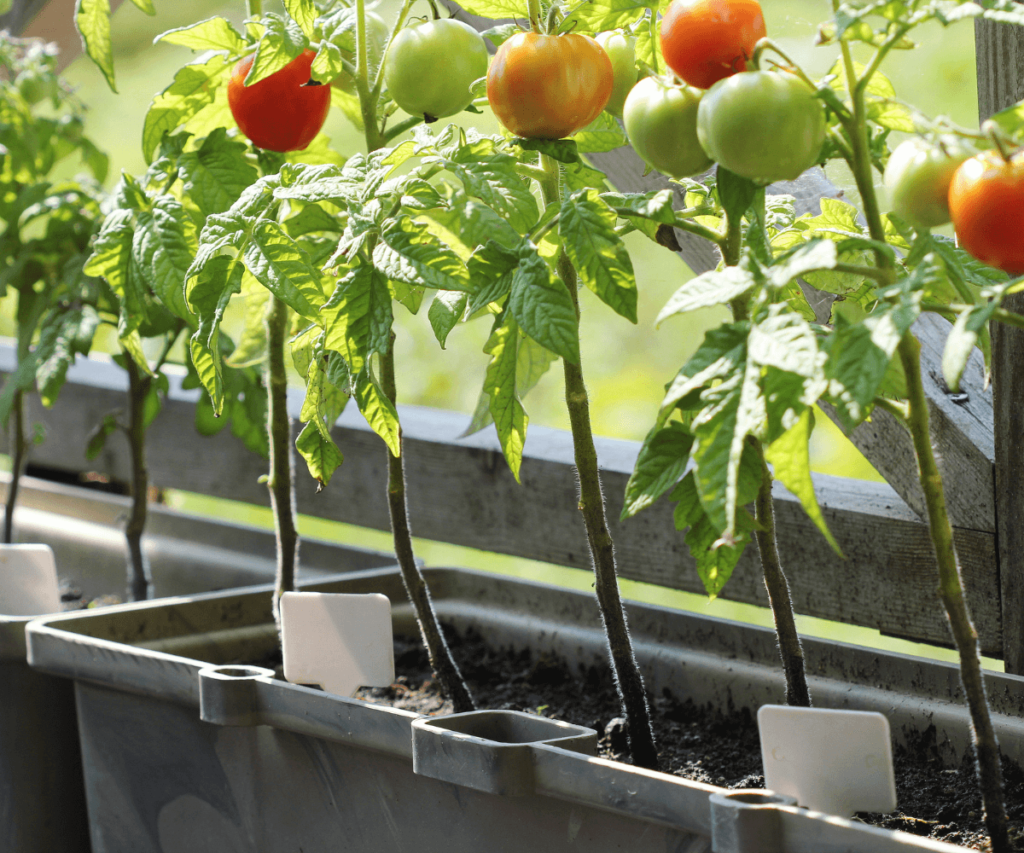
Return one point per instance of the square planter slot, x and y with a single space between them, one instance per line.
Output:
173 763
42 800
491 751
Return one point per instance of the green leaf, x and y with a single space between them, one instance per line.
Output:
92 20
357 318
962 339
790 459
542 306
194 88
587 228
69 333
163 252
600 15
662 461
735 193
282 266
304 13
407 252
112 249
721 349
506 410
657 205
446 311
716 287
501 33
282 42
715 561
324 401
562 150
97 439
602 134
321 454
378 410
252 343
496 8
212 34
814 255
215 175
492 177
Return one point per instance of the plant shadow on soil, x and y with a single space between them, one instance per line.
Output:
700 744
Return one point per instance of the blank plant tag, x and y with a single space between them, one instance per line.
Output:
28 580
839 762
338 641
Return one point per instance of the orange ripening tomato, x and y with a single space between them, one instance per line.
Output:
986 204
548 87
704 41
280 112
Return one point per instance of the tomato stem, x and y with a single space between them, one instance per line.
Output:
19 453
652 22
791 65
951 592
628 680
378 80
994 133
397 130
139 583
281 479
896 408
254 8
536 15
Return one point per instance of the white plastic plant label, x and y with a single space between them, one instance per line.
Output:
839 762
338 641
28 580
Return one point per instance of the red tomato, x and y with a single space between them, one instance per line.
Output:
280 113
986 204
548 87
704 41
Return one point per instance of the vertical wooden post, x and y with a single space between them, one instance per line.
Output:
1000 59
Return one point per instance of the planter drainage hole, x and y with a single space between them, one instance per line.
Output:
508 727
237 671
756 798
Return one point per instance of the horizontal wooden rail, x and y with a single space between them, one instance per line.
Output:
460 492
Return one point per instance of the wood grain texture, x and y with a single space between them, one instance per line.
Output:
1000 59
460 491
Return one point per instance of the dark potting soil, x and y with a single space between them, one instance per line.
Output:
701 744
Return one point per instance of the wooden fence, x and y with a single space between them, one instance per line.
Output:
460 490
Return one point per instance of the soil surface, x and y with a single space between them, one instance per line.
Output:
695 743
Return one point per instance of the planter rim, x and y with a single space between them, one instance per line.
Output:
86 647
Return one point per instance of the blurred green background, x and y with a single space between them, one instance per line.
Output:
627 366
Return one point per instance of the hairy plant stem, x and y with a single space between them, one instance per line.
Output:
628 680
139 579
280 480
19 456
951 591
441 660
779 598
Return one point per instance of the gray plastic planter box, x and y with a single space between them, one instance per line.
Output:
42 802
187 748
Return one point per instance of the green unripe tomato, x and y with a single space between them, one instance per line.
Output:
621 50
34 86
5 6
661 123
762 125
918 175
377 32
431 65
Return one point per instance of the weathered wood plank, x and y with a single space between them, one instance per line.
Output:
461 492
1000 60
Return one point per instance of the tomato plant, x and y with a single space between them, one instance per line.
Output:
704 41
918 175
549 87
431 65
377 32
282 112
621 50
762 125
986 204
661 123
